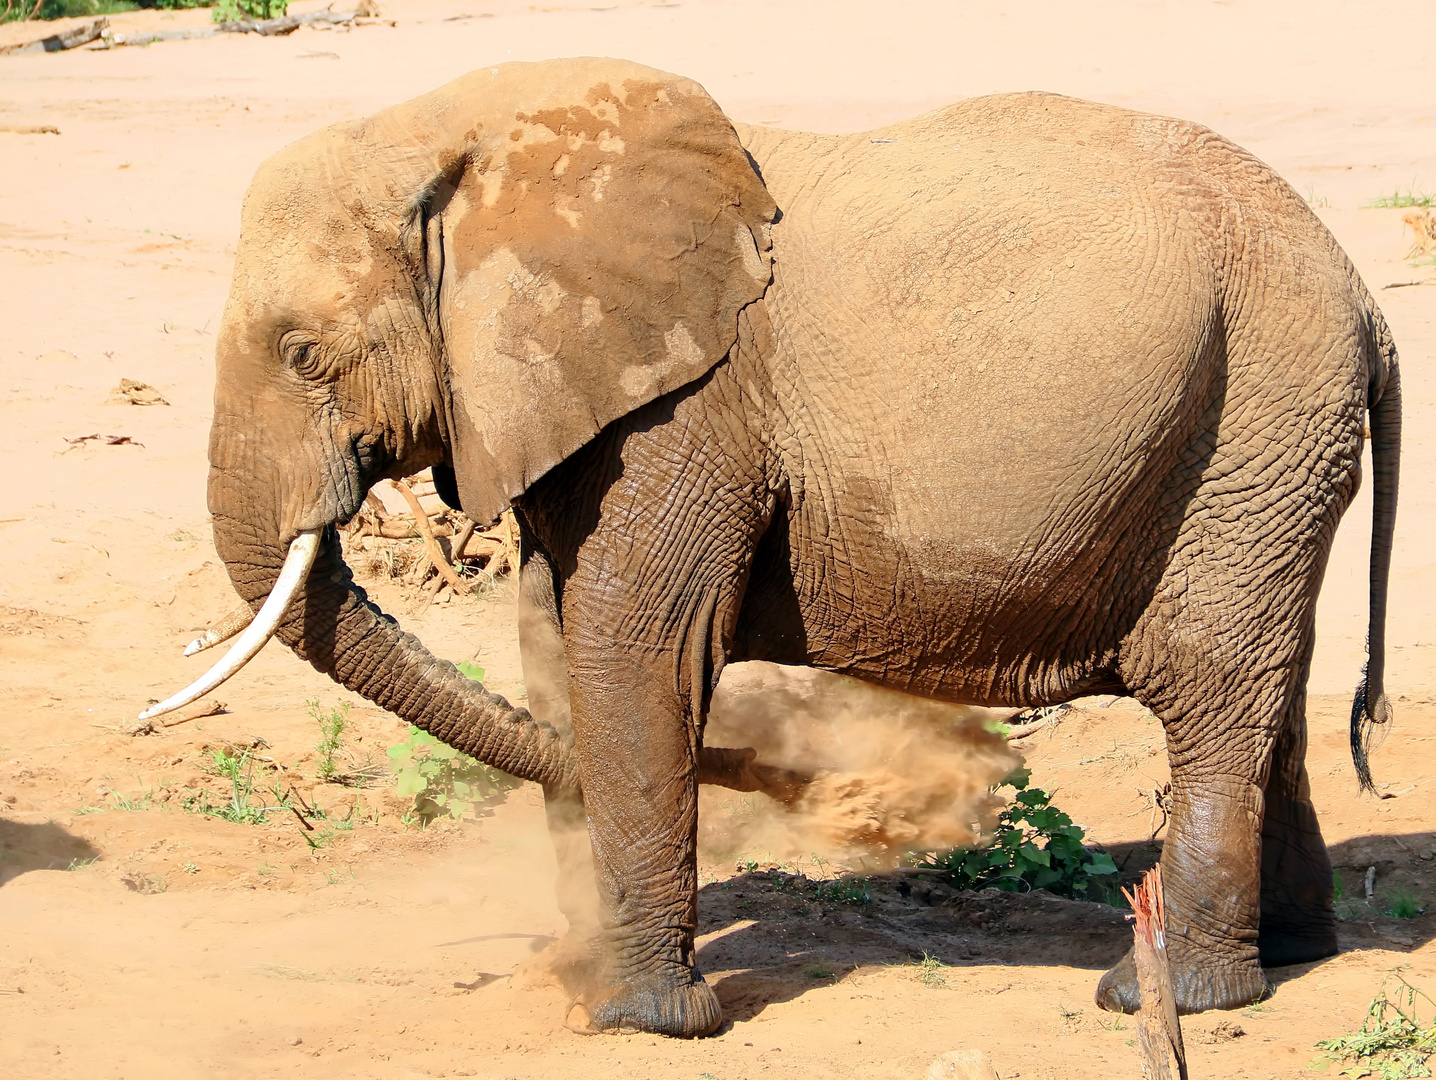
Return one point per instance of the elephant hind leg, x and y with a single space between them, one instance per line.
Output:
1224 667
1298 922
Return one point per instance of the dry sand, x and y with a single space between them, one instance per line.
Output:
193 945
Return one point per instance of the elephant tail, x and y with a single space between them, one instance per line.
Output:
1383 402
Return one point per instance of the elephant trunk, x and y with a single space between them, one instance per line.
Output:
332 624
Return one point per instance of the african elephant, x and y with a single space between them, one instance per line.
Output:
1024 399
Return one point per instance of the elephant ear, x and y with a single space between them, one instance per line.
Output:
593 247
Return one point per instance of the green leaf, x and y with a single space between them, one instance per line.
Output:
470 670
410 783
1018 778
1101 864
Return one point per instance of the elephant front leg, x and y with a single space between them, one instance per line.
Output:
573 960
638 754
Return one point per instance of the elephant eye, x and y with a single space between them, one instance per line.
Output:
301 353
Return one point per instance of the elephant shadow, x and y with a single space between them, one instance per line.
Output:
1393 918
767 937
41 846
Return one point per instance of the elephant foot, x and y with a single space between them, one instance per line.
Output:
685 1011
1297 943
1200 984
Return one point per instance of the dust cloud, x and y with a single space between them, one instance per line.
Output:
891 772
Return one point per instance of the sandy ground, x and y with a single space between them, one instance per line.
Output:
141 940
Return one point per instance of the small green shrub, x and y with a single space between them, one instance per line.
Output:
1393 1043
62 9
1035 846
331 732
256 10
441 780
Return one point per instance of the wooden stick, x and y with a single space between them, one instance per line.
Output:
1159 1032
66 39
431 545
456 546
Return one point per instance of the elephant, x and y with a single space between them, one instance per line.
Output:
1025 399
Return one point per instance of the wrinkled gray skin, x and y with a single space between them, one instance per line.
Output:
1030 398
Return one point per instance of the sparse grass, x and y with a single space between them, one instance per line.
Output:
1393 1042
241 808
1399 198
854 890
1401 904
930 971
139 801
331 733
820 970
83 864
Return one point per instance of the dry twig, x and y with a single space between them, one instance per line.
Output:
1159 1032
431 545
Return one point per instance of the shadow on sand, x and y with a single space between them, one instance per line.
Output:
43 846
768 937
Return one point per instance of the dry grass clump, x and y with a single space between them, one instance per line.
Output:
1424 229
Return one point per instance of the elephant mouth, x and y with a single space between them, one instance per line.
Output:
290 583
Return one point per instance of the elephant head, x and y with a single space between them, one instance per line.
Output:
479 279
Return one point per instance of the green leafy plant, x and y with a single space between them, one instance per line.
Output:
1035 846
61 9
1393 1042
331 732
441 780
820 970
251 10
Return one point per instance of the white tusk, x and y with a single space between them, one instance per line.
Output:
292 576
223 630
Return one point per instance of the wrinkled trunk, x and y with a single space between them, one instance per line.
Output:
342 634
